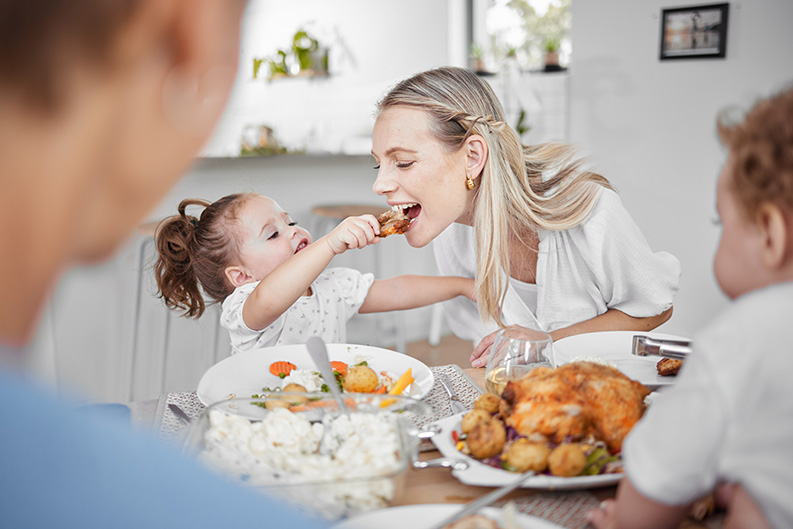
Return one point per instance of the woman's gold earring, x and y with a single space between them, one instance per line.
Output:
469 182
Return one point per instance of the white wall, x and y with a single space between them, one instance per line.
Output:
372 46
650 124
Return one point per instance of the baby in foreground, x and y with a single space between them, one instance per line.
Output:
726 423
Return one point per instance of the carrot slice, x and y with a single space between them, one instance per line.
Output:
281 368
339 366
380 390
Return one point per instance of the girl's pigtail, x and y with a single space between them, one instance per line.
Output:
174 271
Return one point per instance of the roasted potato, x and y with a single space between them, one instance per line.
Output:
524 455
487 438
295 388
488 402
360 379
567 460
272 404
472 418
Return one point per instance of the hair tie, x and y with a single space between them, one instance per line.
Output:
194 222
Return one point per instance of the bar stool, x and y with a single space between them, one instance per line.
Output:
390 327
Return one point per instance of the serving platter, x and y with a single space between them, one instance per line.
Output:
484 475
614 346
428 515
244 374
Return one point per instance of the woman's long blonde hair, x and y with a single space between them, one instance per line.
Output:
517 194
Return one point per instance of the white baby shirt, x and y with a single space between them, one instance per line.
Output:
604 263
336 296
729 415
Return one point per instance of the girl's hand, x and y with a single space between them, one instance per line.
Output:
353 232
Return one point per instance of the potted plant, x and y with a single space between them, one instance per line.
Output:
551 47
478 58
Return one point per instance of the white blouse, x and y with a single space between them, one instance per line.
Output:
603 263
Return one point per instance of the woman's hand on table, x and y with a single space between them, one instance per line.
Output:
482 351
611 320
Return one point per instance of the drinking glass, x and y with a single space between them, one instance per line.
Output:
515 352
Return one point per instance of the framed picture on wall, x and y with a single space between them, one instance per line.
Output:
694 32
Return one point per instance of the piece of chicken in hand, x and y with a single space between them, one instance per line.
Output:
392 222
576 400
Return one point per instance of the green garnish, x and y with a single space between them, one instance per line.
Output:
596 460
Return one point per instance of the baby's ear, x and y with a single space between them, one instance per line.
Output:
775 234
238 276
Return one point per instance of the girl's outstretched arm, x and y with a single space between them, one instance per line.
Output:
410 292
282 287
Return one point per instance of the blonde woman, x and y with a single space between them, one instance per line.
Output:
549 243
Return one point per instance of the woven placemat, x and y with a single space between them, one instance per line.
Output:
565 508
171 428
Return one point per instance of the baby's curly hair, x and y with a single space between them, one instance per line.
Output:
761 147
193 253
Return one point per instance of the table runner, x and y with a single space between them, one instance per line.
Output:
171 428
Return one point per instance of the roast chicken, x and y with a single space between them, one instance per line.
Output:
578 400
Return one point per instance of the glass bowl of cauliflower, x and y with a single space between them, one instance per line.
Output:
301 447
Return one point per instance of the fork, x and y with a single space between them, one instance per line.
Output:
455 402
483 501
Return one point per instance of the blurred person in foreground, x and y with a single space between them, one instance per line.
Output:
726 423
104 103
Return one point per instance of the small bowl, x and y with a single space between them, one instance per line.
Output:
311 455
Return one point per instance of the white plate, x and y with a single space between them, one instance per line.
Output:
614 346
425 516
483 475
244 374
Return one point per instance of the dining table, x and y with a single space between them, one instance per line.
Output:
169 417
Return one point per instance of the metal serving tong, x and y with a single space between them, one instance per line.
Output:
649 346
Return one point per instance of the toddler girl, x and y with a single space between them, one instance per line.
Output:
248 254
728 419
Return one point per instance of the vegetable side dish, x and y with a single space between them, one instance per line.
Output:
357 378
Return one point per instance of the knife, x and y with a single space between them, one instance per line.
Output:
176 410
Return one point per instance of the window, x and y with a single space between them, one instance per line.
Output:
519 29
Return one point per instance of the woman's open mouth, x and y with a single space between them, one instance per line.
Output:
302 244
411 211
